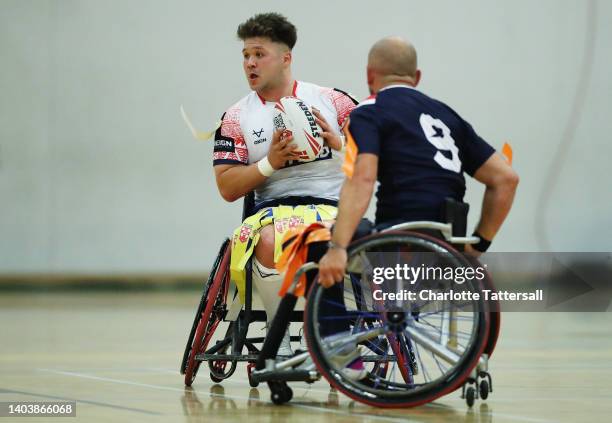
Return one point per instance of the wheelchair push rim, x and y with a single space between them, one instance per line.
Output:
208 320
405 392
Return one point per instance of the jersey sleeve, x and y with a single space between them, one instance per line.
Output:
230 146
363 129
344 104
474 151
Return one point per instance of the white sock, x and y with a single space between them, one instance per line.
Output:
268 282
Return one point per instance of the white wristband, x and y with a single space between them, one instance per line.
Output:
265 168
343 139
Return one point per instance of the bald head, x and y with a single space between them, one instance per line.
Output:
393 57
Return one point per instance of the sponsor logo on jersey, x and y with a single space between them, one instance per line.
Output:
258 133
224 144
279 123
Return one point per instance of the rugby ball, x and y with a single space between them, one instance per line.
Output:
294 115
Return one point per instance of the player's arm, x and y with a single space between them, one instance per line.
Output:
501 182
363 139
488 167
236 180
354 200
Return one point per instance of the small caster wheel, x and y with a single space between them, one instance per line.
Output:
253 383
281 394
215 378
483 389
470 396
277 397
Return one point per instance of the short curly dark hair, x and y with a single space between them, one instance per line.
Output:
270 25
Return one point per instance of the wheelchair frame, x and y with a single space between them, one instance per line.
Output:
235 337
262 366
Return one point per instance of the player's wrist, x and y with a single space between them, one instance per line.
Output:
483 245
332 245
265 167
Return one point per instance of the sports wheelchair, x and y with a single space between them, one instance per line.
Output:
413 352
213 309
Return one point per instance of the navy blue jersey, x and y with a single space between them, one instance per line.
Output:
423 148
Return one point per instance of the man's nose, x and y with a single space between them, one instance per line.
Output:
251 62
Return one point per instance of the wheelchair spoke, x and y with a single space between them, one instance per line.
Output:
422 366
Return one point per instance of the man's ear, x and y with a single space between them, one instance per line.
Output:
417 77
287 58
370 75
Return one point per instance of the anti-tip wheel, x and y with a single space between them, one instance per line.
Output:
215 378
483 389
470 396
253 383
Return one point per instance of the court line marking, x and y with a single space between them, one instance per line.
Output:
310 388
81 401
310 407
169 388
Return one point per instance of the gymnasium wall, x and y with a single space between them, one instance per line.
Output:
98 173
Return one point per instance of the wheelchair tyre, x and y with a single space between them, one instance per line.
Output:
201 306
210 313
470 396
252 383
392 394
483 388
494 312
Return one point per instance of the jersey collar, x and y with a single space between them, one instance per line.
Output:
397 86
293 92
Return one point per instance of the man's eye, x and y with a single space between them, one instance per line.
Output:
259 55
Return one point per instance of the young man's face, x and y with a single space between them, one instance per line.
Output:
264 62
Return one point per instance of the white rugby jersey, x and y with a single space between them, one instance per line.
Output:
245 135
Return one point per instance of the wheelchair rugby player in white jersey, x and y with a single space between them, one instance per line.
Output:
250 156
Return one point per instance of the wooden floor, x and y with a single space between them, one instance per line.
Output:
118 355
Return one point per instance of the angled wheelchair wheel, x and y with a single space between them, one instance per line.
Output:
409 350
494 311
209 313
219 369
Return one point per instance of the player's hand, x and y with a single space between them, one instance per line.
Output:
332 267
331 138
281 151
470 251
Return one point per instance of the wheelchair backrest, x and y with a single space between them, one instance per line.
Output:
248 205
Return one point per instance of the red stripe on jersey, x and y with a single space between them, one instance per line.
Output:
263 100
294 91
343 104
230 128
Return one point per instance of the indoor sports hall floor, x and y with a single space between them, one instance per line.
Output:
118 355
